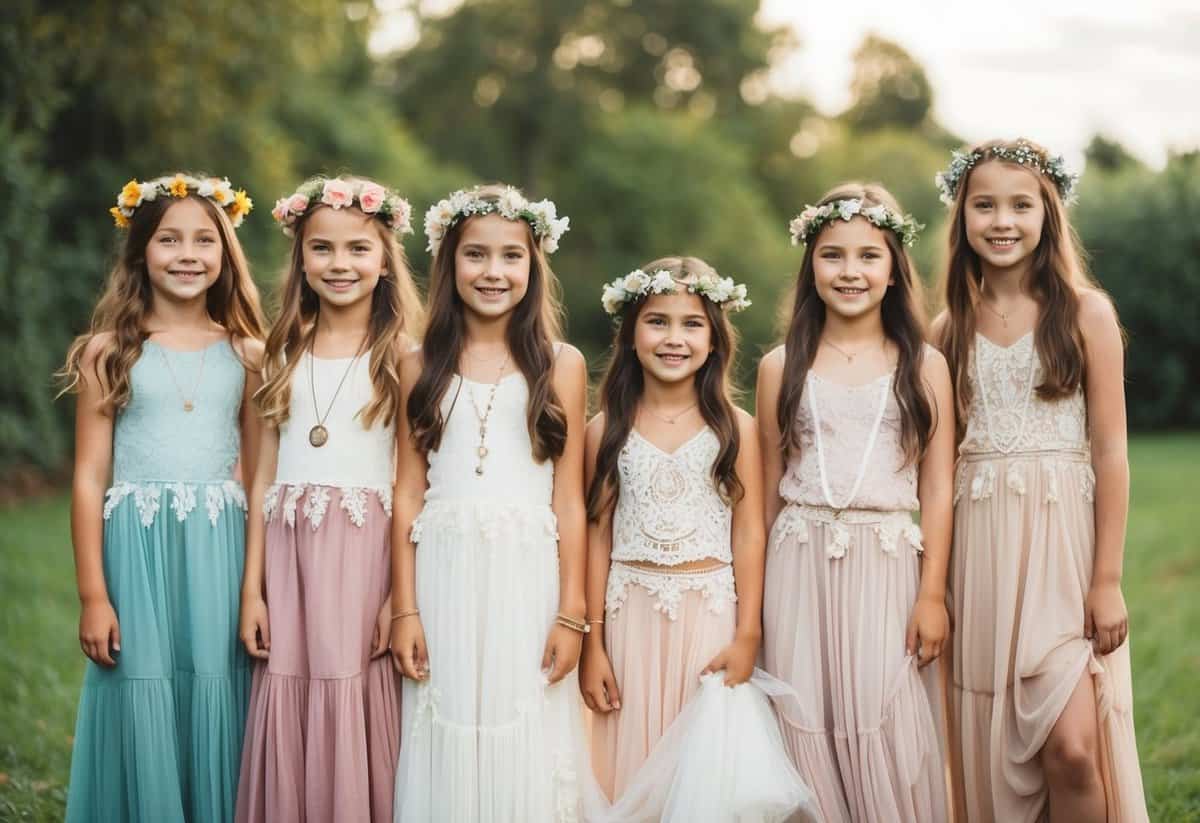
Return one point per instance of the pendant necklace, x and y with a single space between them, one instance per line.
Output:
481 451
671 418
318 435
848 355
188 402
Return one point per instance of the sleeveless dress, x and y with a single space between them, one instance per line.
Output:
484 737
321 737
840 586
1021 568
662 627
158 737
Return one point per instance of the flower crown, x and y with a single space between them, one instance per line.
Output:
367 196
219 190
542 216
810 221
719 290
1022 153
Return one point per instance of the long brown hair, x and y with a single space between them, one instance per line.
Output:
393 324
1056 274
903 314
232 302
535 325
621 392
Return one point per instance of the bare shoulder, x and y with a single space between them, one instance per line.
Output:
938 327
570 369
933 363
411 363
594 431
250 350
568 357
747 427
771 363
96 346
1097 314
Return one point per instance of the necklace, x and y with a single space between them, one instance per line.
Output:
318 435
670 418
848 355
481 450
810 389
1003 315
188 402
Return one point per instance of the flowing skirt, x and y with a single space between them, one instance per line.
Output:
487 738
159 736
1024 545
866 729
323 728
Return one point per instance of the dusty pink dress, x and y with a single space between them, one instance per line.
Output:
1024 543
323 729
843 570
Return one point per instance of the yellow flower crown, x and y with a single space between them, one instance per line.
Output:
219 190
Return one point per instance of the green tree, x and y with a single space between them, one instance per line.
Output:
889 87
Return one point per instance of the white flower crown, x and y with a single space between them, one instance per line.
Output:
542 216
1022 153
805 226
366 195
719 290
217 189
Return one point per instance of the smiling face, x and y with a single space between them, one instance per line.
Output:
491 265
343 256
185 252
852 266
1003 213
673 336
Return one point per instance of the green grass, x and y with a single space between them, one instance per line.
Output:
41 667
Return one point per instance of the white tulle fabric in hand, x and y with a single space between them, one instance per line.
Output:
721 761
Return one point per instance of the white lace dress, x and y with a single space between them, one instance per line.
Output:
841 581
1021 567
484 738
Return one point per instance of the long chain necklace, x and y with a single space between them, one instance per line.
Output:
188 402
670 418
481 451
848 355
318 435
813 406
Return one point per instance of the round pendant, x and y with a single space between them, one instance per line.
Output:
318 435
482 452
187 405
479 469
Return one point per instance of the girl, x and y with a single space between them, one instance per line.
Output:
858 431
675 505
324 708
489 612
163 416
1041 702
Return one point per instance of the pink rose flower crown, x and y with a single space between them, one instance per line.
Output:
339 193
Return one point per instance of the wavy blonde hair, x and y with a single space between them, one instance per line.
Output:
394 322
232 301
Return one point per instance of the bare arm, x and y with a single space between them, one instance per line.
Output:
253 623
251 424
98 627
770 378
1106 616
596 679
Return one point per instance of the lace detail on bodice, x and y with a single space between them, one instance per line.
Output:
668 510
848 415
1005 413
156 441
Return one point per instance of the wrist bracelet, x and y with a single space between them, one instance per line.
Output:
408 613
572 624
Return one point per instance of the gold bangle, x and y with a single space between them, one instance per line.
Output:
409 613
599 620
572 624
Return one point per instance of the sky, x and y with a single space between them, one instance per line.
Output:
1057 71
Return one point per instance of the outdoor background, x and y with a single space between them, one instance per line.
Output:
658 126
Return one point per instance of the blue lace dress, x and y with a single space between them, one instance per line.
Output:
159 736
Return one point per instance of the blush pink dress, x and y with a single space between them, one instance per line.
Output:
843 571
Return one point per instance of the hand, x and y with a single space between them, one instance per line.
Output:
99 632
1105 620
597 682
383 630
562 652
736 660
928 628
253 627
409 652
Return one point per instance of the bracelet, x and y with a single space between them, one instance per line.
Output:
409 613
571 623
599 620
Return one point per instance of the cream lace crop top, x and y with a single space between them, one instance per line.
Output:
668 510
1006 415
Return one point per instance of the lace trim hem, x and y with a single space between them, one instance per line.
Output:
667 588
316 502
889 527
182 500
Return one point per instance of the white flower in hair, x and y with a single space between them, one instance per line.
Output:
510 204
637 284
662 283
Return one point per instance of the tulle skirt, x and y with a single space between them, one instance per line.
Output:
323 728
866 729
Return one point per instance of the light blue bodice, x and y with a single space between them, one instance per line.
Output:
155 440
